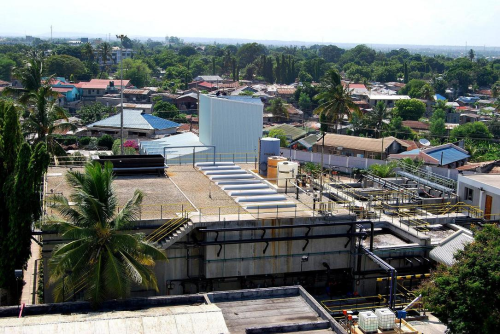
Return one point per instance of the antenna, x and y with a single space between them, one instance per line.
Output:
424 142
50 33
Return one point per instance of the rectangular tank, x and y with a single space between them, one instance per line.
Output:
368 322
268 147
386 318
287 172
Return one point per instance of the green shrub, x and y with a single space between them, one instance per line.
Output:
84 141
105 141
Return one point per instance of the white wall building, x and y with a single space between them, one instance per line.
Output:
483 191
231 123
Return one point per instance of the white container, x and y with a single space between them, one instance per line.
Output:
287 170
368 322
386 318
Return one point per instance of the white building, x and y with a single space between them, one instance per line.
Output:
233 124
389 100
483 191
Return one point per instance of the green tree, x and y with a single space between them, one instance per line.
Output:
471 54
64 66
40 124
21 170
335 100
411 109
413 88
99 252
466 296
474 130
278 108
281 135
94 112
31 72
187 51
304 101
136 71
377 116
6 66
104 53
437 127
386 170
249 52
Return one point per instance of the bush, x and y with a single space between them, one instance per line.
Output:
105 141
84 141
66 140
129 147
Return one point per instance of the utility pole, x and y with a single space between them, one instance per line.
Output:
121 37
50 33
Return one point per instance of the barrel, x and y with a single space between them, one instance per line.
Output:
272 167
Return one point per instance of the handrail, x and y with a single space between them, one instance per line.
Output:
428 175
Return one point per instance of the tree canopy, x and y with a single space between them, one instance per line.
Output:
466 296
411 109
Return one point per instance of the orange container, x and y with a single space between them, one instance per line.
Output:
272 167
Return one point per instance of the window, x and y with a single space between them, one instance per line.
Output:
468 194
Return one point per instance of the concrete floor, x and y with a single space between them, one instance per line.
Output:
429 326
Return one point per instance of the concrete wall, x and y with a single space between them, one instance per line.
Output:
479 192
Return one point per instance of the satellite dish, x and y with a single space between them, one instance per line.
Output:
424 142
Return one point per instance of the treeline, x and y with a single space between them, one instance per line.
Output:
173 65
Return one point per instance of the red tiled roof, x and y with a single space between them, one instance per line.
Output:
352 86
463 108
286 91
3 83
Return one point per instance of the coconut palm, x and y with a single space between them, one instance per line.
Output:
31 72
88 52
105 55
40 124
377 116
335 100
278 108
100 259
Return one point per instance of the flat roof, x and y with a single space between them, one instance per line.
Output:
282 309
488 179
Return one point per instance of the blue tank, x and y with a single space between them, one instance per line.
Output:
268 147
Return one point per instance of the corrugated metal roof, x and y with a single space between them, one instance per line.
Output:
447 155
135 119
308 141
445 251
357 143
293 132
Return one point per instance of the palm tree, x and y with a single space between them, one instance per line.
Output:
100 258
105 55
88 52
377 116
31 72
40 124
278 108
335 100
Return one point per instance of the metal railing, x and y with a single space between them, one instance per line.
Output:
428 175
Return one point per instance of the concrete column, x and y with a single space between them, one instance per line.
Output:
480 204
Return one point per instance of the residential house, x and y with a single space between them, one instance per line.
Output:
4 84
116 55
135 124
417 126
137 95
285 92
467 101
89 91
187 101
389 100
360 146
357 90
447 155
481 190
209 78
147 108
306 143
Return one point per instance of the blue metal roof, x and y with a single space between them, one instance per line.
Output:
447 155
439 97
135 119
159 123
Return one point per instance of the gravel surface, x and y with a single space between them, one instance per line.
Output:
196 186
162 198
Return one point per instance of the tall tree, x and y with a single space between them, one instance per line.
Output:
99 252
377 116
21 170
335 100
405 73
104 52
472 55
31 72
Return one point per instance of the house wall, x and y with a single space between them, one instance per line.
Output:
478 195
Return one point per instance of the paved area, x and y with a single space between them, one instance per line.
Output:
28 295
429 326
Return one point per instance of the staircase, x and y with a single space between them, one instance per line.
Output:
415 173
173 230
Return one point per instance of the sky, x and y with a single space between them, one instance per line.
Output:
418 22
